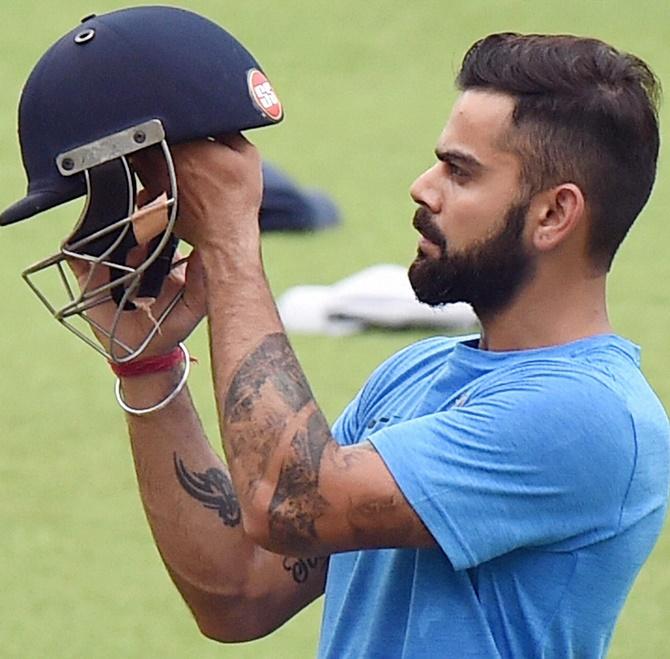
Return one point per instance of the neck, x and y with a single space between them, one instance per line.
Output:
545 314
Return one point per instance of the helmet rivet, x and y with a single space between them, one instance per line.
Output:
67 164
140 136
85 36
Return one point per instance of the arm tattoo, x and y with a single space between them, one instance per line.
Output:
302 568
268 390
273 363
212 488
251 432
297 503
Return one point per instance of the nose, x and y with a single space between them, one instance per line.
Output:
424 192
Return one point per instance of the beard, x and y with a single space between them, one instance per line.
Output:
487 275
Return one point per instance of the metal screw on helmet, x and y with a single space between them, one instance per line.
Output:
85 36
140 137
67 164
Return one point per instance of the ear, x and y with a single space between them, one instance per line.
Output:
557 213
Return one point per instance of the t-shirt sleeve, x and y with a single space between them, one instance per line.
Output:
543 459
350 427
346 428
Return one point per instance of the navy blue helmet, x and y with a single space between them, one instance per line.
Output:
114 85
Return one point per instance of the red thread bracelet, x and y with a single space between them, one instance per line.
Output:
148 365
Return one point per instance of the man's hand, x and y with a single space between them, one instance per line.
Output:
220 189
134 326
219 195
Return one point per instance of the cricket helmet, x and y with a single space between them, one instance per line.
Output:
114 85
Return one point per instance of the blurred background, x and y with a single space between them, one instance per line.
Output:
366 87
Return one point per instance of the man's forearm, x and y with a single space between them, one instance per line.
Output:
274 435
189 500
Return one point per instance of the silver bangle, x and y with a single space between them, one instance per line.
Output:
167 400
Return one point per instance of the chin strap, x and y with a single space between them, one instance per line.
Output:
154 276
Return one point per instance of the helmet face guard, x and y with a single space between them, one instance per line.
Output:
108 228
122 82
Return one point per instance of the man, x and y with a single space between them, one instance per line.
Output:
490 497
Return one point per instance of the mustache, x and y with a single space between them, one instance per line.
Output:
423 223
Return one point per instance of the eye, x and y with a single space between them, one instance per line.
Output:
455 171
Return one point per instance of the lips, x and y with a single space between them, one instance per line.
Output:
426 244
423 223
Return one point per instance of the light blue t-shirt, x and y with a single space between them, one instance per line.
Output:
543 477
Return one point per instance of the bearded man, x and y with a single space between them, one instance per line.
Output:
481 497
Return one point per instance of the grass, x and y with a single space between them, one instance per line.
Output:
367 87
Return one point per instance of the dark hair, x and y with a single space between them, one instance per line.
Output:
585 113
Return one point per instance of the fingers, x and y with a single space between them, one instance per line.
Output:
88 275
195 273
235 141
194 288
151 169
187 272
79 268
150 219
137 255
177 272
187 275
144 197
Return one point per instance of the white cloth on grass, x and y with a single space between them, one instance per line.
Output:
379 296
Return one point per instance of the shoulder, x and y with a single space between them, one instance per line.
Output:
555 387
594 362
429 348
407 370
413 362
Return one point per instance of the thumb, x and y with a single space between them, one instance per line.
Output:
235 141
143 197
194 288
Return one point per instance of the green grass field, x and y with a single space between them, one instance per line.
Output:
366 87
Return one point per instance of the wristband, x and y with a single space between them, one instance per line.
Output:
147 365
182 357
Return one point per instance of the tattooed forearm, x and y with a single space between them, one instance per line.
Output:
302 568
268 398
212 488
297 503
267 389
271 363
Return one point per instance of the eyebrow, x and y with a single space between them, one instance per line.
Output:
458 157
